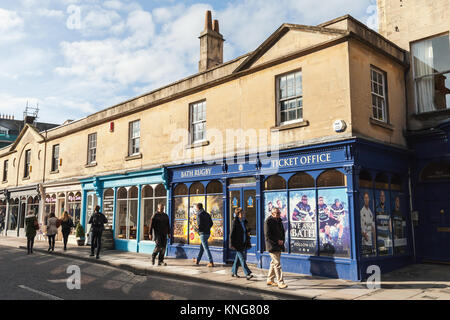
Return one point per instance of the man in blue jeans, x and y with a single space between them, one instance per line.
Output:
204 230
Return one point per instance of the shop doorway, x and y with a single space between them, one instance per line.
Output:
22 214
244 197
91 203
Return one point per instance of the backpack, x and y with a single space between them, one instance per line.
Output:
97 221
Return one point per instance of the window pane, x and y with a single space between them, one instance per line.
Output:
331 178
283 89
290 85
301 180
275 183
147 213
160 191
298 84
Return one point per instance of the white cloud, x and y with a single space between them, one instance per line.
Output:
51 13
11 26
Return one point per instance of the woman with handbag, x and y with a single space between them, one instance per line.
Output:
66 227
52 230
31 226
240 241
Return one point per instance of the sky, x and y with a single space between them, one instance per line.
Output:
76 57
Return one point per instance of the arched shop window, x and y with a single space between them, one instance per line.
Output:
331 178
333 214
181 190
151 197
108 206
275 183
13 214
180 214
365 179
214 206
127 206
382 181
74 207
436 171
301 180
50 206
2 215
367 217
196 195
197 188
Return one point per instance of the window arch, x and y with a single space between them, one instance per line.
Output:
122 193
133 193
275 183
108 193
160 191
30 200
214 187
301 180
180 190
147 192
331 178
365 179
382 181
197 188
396 182
436 171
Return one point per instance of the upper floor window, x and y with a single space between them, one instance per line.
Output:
378 85
290 98
135 138
92 148
5 170
55 157
198 121
26 171
431 63
4 131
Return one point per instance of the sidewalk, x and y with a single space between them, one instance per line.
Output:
416 282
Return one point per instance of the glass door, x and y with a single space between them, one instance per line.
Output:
23 210
244 197
90 207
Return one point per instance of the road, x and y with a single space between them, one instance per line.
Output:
44 277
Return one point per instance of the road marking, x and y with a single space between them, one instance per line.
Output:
47 295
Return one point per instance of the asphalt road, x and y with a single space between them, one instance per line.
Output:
44 277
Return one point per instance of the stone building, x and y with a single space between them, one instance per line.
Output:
312 122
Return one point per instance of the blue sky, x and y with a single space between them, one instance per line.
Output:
75 57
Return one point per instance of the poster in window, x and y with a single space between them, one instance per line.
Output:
367 218
214 206
277 200
334 226
194 237
383 222
303 221
398 223
180 233
108 210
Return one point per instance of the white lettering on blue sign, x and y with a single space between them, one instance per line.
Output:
302 160
195 173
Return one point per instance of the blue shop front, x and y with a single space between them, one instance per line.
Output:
320 191
128 201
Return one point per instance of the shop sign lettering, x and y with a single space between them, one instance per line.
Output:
195 173
301 160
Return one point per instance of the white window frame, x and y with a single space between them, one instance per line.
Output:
134 139
92 149
377 95
194 122
27 163
293 97
55 164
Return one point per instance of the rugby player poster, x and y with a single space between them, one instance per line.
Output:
334 222
303 221
277 200
367 217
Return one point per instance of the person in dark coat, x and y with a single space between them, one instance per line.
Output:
205 224
240 241
97 222
66 228
52 231
274 237
160 226
31 224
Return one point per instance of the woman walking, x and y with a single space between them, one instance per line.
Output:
240 241
31 225
52 230
66 228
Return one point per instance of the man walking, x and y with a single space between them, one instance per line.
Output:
204 230
97 221
274 237
159 224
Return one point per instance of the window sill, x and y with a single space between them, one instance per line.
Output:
54 172
382 124
197 144
133 157
90 165
26 178
5 181
432 114
282 127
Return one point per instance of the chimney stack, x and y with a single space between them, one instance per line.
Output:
211 45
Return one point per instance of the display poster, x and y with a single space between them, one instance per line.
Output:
367 218
194 237
108 210
214 206
383 222
303 225
334 226
277 200
398 223
180 228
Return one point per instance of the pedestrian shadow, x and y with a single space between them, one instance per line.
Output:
180 253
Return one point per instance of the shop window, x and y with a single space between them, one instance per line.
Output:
147 192
197 188
214 206
396 183
436 171
150 202
331 178
301 180
49 207
242 181
160 191
122 193
2 215
382 181
74 207
333 215
127 213
133 192
365 179
108 206
180 190
13 214
275 183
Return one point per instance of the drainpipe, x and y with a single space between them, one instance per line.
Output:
411 210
